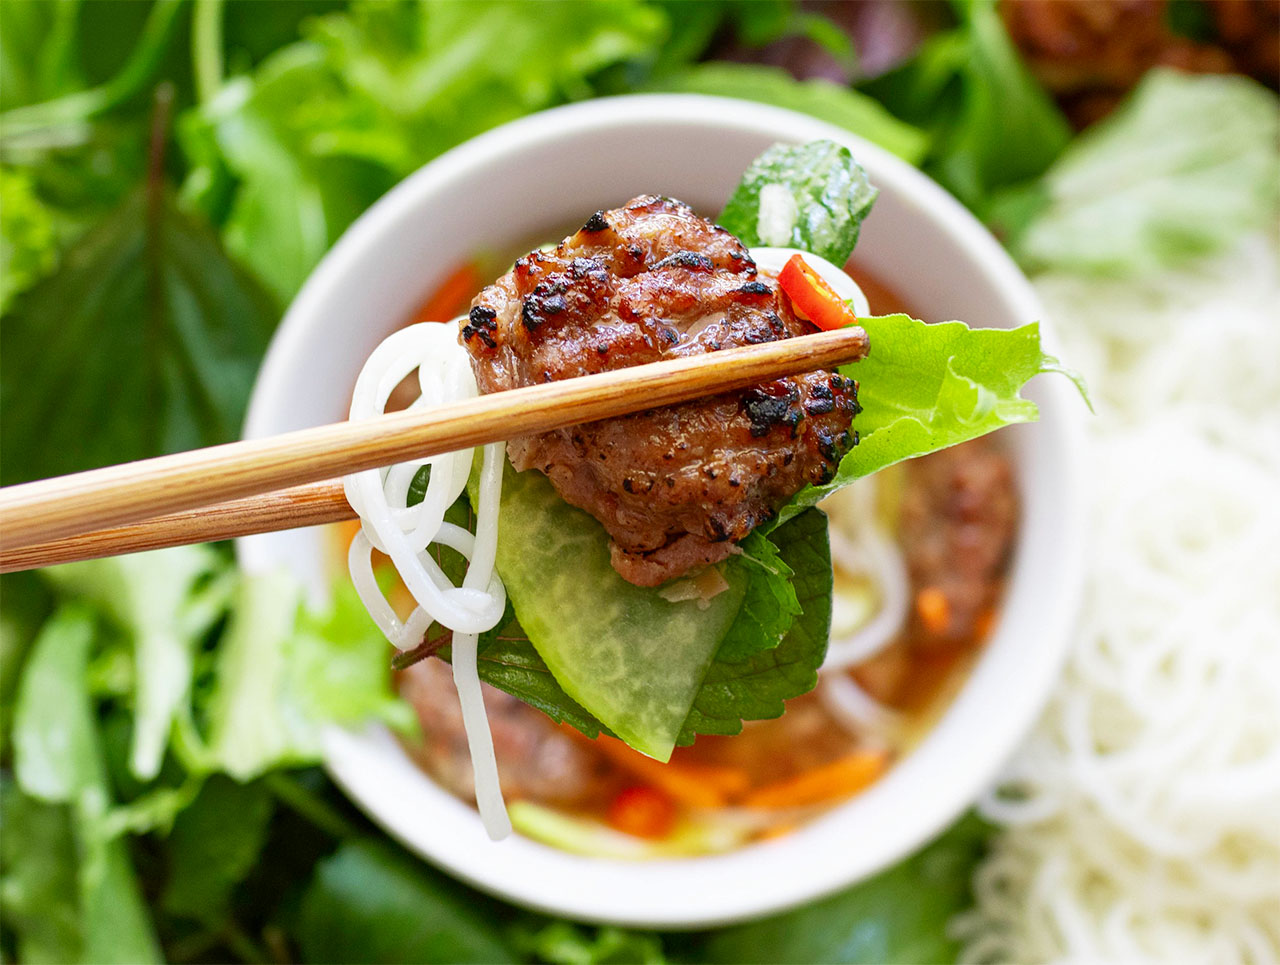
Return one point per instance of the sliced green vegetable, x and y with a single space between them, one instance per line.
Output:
1185 167
924 387
632 659
828 189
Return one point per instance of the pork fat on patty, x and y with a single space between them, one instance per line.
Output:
675 487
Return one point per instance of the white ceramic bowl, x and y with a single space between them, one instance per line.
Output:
553 169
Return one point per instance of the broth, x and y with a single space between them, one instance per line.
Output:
954 515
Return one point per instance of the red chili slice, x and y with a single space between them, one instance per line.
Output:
812 297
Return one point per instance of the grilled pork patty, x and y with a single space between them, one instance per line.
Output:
675 487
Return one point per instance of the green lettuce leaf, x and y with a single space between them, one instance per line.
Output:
298 149
283 672
830 190
1185 167
152 598
854 111
58 759
925 387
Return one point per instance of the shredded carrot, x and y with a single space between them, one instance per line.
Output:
694 785
934 610
453 296
839 779
642 811
985 623
775 831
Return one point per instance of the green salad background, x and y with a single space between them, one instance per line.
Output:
170 172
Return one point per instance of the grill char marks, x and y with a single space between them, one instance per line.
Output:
674 487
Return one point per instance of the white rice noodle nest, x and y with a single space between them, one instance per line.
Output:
406 533
1142 820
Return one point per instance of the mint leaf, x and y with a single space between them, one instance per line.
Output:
149 335
756 687
830 191
769 605
924 387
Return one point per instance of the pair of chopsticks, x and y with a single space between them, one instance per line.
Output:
290 480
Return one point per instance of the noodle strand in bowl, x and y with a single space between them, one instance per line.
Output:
405 533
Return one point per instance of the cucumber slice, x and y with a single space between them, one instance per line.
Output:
632 659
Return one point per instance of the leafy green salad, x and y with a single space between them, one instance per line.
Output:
171 171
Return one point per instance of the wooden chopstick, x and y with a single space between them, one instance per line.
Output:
312 504
110 498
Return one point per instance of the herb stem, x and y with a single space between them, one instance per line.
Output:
206 49
297 798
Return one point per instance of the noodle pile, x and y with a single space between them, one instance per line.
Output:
405 533
1142 820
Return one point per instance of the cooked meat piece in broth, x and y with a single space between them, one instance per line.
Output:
674 487
536 758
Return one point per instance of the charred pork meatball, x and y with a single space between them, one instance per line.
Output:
674 487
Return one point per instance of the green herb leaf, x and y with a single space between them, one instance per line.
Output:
213 846
370 903
149 335
854 111
901 915
924 387
565 943
991 123
828 187
1185 167
756 687
769 604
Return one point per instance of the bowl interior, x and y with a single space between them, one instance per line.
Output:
532 177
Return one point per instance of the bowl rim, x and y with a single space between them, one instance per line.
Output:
682 893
